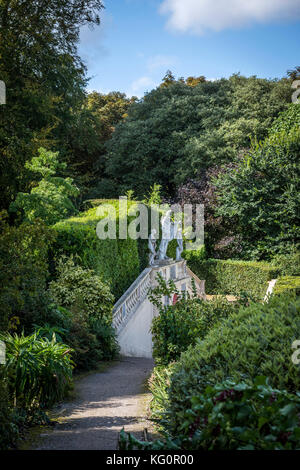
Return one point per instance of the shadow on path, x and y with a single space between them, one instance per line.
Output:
106 402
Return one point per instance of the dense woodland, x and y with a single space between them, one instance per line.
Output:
232 144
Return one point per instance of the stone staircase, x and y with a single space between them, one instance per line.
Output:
133 313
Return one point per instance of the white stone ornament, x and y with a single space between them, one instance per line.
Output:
152 247
167 235
179 238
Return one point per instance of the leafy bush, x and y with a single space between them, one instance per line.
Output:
183 324
254 341
38 371
8 430
233 277
288 263
92 340
50 199
23 274
106 338
261 195
81 290
287 283
233 416
116 261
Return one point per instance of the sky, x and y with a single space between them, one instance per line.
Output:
139 40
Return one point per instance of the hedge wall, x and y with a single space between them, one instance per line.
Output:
232 277
116 261
287 283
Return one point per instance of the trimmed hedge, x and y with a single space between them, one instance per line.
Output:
116 261
257 340
287 283
232 276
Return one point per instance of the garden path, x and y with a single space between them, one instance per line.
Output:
105 403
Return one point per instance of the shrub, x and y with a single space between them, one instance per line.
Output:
116 261
106 338
23 274
39 371
181 325
254 341
232 276
288 263
92 340
287 283
50 200
87 351
8 430
159 383
261 195
81 290
234 416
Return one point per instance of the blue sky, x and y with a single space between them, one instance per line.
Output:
138 40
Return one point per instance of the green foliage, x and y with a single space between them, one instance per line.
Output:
116 261
106 338
287 283
181 325
158 384
45 78
178 130
233 416
257 340
9 432
84 318
50 199
261 195
39 371
154 195
288 263
92 127
92 340
232 276
287 120
23 274
81 290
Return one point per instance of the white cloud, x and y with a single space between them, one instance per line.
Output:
200 16
140 86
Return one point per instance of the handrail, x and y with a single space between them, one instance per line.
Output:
131 299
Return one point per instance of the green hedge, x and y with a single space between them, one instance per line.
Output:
232 416
116 261
232 277
257 340
287 283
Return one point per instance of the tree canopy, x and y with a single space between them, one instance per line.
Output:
44 76
178 130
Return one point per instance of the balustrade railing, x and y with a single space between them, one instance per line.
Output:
131 299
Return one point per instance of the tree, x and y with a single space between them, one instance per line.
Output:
92 127
50 199
261 196
44 79
294 74
177 131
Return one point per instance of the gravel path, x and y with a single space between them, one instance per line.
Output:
106 402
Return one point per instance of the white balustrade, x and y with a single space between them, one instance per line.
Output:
133 297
